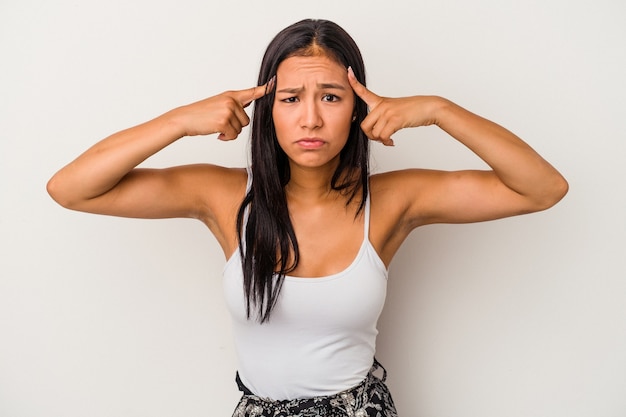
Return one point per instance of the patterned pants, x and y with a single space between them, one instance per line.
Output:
371 398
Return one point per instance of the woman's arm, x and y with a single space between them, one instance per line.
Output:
520 181
105 179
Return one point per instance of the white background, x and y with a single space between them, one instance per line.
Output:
521 317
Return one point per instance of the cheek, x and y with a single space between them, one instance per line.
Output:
347 113
342 121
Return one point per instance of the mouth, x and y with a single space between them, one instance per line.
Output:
310 143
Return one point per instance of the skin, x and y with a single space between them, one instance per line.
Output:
313 113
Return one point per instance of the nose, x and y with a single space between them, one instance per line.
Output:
310 116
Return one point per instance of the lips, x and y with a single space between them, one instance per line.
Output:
310 143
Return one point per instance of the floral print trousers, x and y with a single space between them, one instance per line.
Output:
371 398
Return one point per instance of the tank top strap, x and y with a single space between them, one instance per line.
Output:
249 182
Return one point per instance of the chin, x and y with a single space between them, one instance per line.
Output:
315 162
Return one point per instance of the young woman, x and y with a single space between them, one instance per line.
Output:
307 232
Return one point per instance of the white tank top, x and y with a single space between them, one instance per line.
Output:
321 336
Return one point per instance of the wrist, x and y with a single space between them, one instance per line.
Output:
173 123
439 109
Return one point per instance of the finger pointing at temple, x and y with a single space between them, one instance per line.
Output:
374 126
235 119
246 97
371 99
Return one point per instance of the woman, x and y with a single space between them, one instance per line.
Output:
308 234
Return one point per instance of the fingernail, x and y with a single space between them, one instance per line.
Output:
271 84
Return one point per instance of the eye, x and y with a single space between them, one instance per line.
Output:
330 97
290 100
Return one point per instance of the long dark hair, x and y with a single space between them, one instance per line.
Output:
267 242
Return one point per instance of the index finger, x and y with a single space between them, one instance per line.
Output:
360 90
246 97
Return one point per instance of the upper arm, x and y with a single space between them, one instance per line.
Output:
192 191
430 196
466 197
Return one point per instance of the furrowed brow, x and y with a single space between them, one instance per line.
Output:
331 86
291 90
321 86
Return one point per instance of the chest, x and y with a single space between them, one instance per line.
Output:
352 298
328 241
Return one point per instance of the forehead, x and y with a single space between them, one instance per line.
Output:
320 65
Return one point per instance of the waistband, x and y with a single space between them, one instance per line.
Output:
375 366
370 398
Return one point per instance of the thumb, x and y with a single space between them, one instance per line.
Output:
246 97
371 99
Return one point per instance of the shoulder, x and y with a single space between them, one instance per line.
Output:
215 188
209 177
215 177
209 170
219 192
405 194
390 195
401 183
397 207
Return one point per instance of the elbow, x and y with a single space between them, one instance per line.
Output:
554 192
52 187
563 189
57 191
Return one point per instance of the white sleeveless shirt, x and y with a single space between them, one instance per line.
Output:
321 336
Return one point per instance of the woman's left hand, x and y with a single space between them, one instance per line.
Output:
388 115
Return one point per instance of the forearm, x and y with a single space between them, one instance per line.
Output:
102 167
514 162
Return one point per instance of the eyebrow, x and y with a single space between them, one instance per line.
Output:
323 86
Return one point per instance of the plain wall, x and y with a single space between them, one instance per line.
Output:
102 316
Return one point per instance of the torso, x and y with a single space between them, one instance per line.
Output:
321 336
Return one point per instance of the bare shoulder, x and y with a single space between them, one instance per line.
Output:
393 196
206 176
396 187
396 179
213 176
218 189
411 195
217 193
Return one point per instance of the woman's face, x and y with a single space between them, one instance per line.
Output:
313 109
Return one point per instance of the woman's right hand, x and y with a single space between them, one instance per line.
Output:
223 113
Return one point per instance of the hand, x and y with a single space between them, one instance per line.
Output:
388 115
223 113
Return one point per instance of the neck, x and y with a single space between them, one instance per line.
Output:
310 182
313 185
